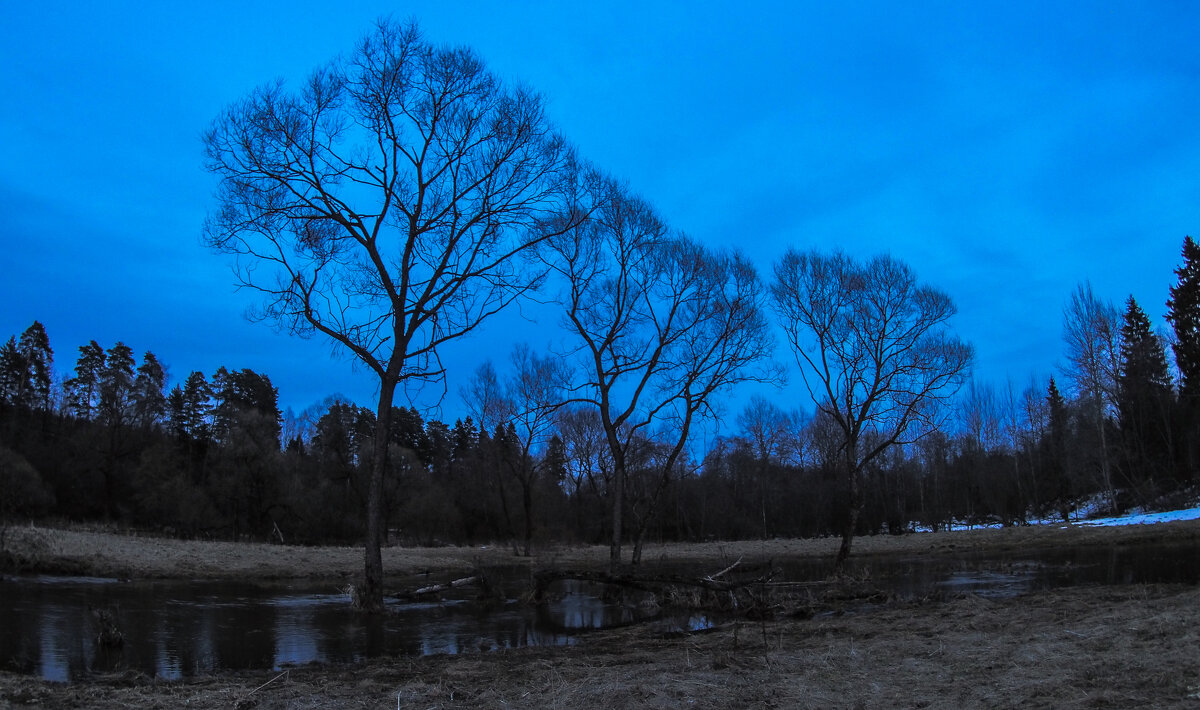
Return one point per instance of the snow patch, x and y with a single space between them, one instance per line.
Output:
1135 518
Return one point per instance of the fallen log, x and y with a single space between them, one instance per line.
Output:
435 588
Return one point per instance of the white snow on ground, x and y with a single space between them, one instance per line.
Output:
1144 518
1134 517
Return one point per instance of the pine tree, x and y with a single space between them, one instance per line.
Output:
83 390
246 406
34 348
12 373
176 414
149 402
116 385
1184 315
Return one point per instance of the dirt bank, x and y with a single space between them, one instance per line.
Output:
1073 648
114 555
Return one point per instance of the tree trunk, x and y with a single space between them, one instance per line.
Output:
854 506
1105 468
618 496
508 523
371 594
527 501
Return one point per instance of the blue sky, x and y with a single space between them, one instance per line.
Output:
1006 151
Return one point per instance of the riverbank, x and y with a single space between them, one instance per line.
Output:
1121 646
108 554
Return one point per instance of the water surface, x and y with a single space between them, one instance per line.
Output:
175 629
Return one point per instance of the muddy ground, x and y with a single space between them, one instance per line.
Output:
1083 647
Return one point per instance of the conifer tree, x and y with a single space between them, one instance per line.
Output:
116 385
83 390
176 419
12 373
196 406
246 405
149 402
1184 315
38 358
1143 358
1145 398
1059 474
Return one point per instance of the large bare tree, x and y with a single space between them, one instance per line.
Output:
384 204
659 325
874 351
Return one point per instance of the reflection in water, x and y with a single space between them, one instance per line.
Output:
180 629
295 637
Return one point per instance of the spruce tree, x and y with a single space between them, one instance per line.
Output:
1184 315
1059 477
1143 357
197 406
1145 398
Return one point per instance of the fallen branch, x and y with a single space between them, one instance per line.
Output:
246 702
713 577
435 588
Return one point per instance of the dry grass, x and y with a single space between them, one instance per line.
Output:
108 554
114 555
1092 647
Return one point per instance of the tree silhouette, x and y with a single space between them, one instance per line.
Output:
385 205
659 325
1145 398
874 351
1092 333
1183 313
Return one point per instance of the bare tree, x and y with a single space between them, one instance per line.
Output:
660 325
874 351
588 465
980 416
776 437
527 401
1092 331
384 204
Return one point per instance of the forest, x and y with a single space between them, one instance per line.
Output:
212 456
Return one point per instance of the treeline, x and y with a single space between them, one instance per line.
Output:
213 456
